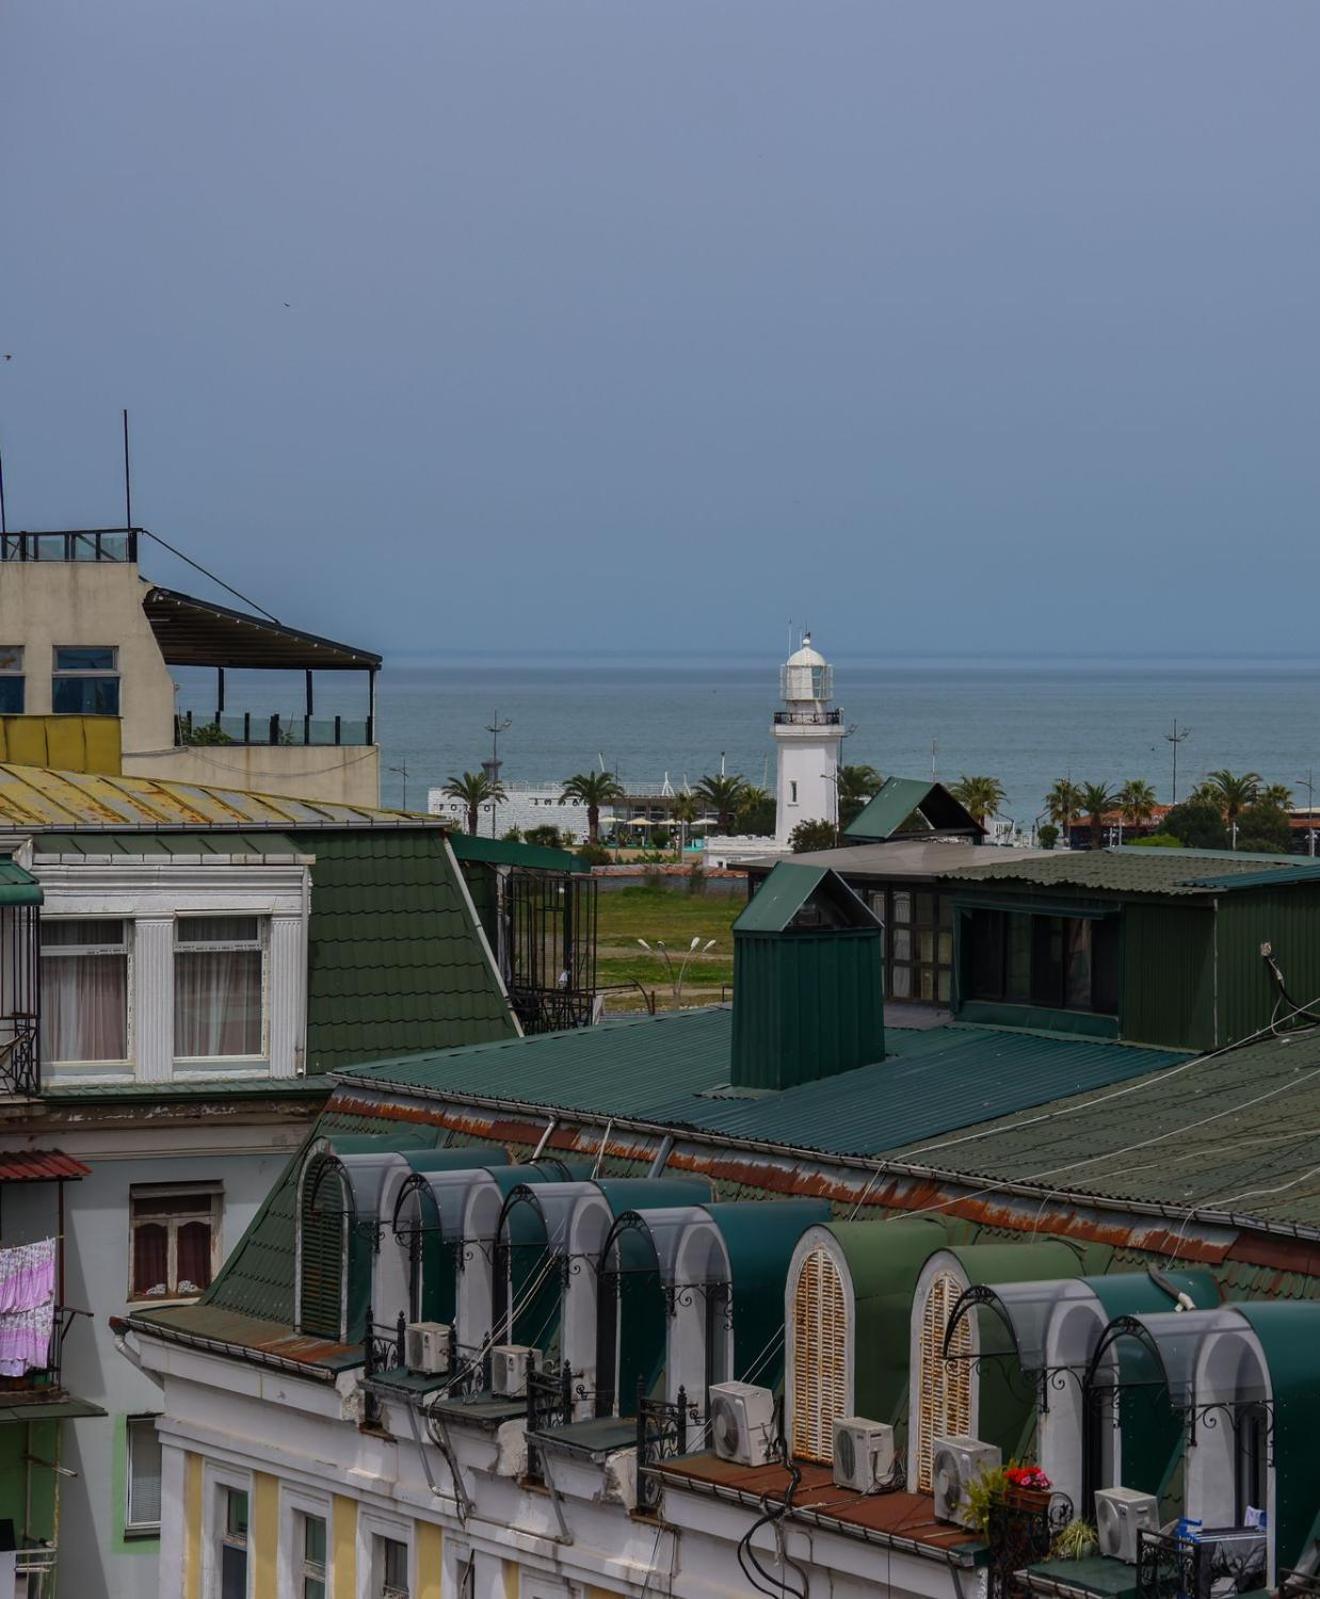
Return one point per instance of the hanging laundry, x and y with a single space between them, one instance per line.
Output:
27 1306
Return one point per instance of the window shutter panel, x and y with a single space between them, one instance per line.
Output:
944 1391
322 1236
820 1374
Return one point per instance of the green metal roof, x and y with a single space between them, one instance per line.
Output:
663 1069
888 810
197 843
1134 870
396 961
1237 1133
788 889
505 852
17 887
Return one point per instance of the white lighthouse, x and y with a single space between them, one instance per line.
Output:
808 733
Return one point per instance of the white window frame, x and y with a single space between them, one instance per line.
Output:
59 674
217 1481
214 1193
372 1526
261 943
296 1505
125 949
132 1527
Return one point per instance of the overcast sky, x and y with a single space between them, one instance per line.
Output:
655 323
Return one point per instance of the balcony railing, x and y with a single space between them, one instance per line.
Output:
662 1433
20 1072
808 718
117 544
41 1382
243 727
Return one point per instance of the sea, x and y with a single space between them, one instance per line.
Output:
1026 720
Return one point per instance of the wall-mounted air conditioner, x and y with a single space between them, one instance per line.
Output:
509 1365
955 1463
863 1454
742 1423
426 1348
1120 1513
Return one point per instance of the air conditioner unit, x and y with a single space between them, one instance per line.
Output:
426 1348
742 1423
955 1464
1120 1513
509 1365
863 1454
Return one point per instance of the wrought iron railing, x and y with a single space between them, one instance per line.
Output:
808 718
1298 1584
48 1379
1021 1531
242 727
552 1010
1170 1566
20 1070
553 1396
662 1433
384 1345
469 1371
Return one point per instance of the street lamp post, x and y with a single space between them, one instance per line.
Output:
492 767
1310 809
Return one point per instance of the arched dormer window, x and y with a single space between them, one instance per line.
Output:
944 1397
323 1250
820 1356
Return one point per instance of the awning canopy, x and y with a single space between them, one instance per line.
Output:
63 1408
40 1166
17 887
194 632
1174 1341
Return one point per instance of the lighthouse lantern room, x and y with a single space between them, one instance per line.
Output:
808 734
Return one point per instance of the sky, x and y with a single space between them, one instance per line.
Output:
601 325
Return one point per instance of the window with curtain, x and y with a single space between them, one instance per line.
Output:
218 979
175 1234
84 989
142 1500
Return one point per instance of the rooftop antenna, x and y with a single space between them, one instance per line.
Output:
1174 739
4 526
128 478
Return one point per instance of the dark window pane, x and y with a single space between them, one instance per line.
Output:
236 1513
944 987
1104 966
944 907
986 960
1047 961
925 946
945 956
314 1539
85 658
1077 982
925 909
1017 982
151 1272
11 696
85 932
194 1251
85 696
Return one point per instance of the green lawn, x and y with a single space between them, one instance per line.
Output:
676 918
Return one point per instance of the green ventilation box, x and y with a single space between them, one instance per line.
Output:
808 981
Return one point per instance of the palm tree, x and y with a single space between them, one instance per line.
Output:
684 812
755 809
979 796
1063 803
723 795
474 789
1232 793
1096 800
1276 795
856 785
1136 800
592 789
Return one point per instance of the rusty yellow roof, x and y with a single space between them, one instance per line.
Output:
35 798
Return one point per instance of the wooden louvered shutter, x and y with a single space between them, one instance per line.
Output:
321 1228
944 1391
820 1357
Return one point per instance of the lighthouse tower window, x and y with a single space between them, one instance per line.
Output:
792 793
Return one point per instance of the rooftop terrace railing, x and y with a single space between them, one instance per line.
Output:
808 718
243 727
115 544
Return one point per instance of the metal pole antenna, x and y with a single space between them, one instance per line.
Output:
492 767
128 480
1174 739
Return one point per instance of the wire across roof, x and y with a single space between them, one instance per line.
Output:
194 632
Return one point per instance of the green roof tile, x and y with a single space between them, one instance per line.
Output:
1134 870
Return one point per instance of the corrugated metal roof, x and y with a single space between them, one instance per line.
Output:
17 887
663 1069
1237 1133
33 798
39 1166
136 844
504 852
1134 870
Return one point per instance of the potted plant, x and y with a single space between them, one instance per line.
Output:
1027 1487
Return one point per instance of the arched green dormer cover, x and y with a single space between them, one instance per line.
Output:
1006 1413
1289 1336
760 1237
436 1252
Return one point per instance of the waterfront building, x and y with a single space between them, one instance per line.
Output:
183 968
734 1300
86 648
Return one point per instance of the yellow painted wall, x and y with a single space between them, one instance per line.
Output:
429 1542
265 1532
344 1547
192 1526
602 1593
512 1578
66 743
